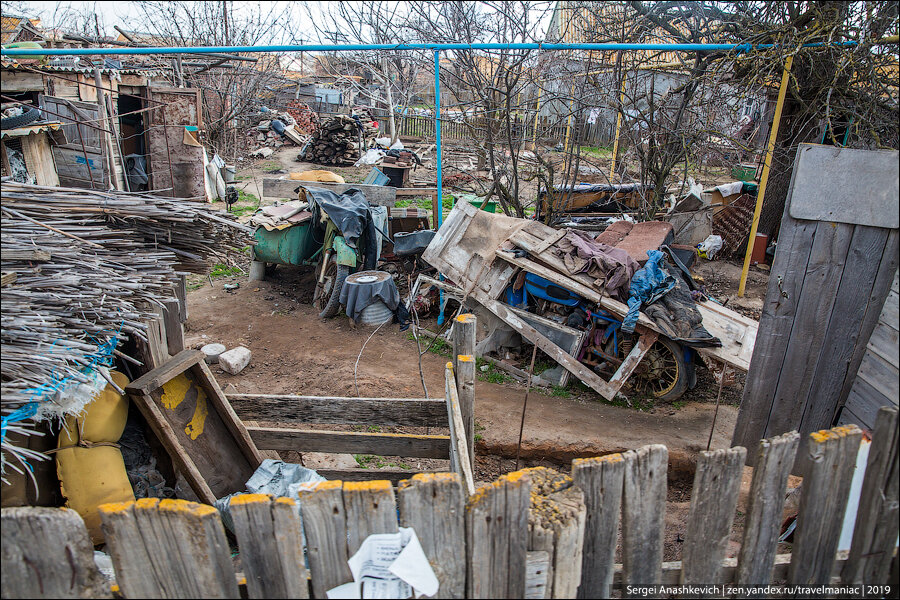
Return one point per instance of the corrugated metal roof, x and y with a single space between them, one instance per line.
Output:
30 129
86 69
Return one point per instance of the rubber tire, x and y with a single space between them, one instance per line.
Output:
681 384
32 114
334 302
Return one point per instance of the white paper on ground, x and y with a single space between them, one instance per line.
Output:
388 565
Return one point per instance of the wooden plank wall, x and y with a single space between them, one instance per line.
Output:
826 291
877 382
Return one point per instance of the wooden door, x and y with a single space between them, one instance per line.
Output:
81 161
176 165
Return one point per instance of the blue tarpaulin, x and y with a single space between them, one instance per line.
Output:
648 285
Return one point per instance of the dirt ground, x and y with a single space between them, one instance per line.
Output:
296 352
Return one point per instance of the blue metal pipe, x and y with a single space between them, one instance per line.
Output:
361 47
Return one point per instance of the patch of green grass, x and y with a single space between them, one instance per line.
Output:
240 211
541 366
370 461
492 376
373 429
220 270
479 426
247 198
478 437
403 203
599 151
679 404
241 177
269 166
560 392
364 460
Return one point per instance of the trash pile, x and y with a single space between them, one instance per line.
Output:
275 130
340 139
615 307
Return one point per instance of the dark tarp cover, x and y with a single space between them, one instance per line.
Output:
349 211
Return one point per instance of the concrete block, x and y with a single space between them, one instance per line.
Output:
212 352
234 360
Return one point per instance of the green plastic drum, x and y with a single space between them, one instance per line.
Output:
291 246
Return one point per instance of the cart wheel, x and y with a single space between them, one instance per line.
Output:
663 373
327 295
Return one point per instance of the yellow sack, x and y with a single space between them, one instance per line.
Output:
317 175
89 474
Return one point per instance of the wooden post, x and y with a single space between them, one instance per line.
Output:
832 455
601 480
643 514
325 528
497 538
271 546
464 368
168 548
174 328
459 447
434 505
717 483
105 136
556 525
371 508
878 516
47 553
761 527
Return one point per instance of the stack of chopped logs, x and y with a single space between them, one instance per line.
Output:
336 142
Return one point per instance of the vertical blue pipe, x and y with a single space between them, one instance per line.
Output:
439 217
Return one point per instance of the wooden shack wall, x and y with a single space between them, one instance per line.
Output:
877 382
828 284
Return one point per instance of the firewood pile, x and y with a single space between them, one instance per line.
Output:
81 269
337 141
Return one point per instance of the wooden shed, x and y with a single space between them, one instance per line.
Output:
26 153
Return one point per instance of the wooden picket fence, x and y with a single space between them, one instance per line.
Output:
530 534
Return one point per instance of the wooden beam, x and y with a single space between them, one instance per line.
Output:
391 412
392 475
382 444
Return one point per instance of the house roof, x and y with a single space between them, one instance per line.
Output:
12 27
30 129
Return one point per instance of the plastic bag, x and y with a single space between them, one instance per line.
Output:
371 157
710 247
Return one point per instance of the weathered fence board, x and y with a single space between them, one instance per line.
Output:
497 538
392 412
351 442
643 513
47 553
832 455
717 483
268 533
775 457
168 549
325 528
878 515
371 508
434 506
601 480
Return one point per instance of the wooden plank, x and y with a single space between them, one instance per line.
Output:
717 483
460 459
325 529
863 404
550 240
155 378
497 538
434 506
47 553
843 328
643 514
8 278
878 515
351 442
391 412
556 522
395 476
194 422
779 308
370 508
601 479
271 546
775 457
464 369
637 354
536 565
555 352
820 286
885 341
823 501
169 548
880 374
174 328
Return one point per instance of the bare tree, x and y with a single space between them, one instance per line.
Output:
373 22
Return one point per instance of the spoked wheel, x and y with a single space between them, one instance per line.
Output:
662 373
327 296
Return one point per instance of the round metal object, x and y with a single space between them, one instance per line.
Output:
365 277
375 314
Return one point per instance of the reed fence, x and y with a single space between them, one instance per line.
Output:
533 533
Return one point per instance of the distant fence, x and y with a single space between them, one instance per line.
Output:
530 534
